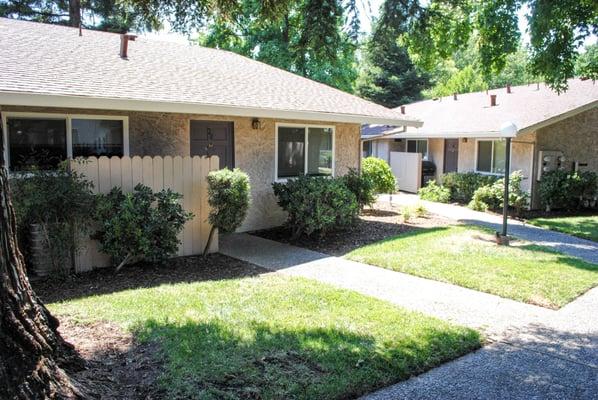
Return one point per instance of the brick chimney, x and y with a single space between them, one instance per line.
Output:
124 44
492 100
508 88
454 96
402 109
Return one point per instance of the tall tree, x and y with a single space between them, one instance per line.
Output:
437 28
388 76
107 15
313 38
34 357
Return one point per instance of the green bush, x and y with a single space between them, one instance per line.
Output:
60 203
568 190
462 185
380 173
316 204
139 226
229 198
433 192
491 196
361 186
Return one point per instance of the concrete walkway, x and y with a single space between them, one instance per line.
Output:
567 244
535 353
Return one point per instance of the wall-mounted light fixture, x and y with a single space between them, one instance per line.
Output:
256 123
464 140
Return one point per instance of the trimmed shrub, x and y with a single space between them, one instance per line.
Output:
568 190
361 186
379 172
462 185
316 204
140 226
491 196
229 198
433 192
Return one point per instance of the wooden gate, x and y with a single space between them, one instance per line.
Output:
407 168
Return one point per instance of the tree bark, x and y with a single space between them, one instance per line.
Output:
75 13
34 357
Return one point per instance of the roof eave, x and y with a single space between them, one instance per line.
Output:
102 103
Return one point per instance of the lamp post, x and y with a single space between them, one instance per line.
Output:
508 130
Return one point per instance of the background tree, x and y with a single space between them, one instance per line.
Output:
438 28
106 15
388 76
586 65
312 38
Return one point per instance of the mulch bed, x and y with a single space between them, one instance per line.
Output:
117 365
374 224
181 269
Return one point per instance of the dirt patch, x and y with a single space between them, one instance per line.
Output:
176 270
117 367
374 224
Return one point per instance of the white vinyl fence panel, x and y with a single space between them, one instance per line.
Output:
184 175
407 168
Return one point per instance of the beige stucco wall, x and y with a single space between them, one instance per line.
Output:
576 137
168 134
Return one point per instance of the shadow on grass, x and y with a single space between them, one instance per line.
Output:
213 360
562 258
176 270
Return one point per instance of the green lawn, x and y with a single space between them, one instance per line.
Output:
467 256
274 337
585 227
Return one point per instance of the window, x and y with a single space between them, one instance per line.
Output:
36 142
304 150
44 140
491 156
367 148
418 146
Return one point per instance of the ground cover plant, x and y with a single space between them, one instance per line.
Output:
468 256
271 336
585 226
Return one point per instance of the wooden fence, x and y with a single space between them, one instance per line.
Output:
184 175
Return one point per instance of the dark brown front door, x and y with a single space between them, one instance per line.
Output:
213 138
451 155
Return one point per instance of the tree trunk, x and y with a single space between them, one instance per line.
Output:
75 13
32 352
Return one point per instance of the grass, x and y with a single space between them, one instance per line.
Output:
585 227
275 337
467 256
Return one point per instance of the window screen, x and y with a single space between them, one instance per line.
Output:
37 143
319 157
484 156
97 137
291 152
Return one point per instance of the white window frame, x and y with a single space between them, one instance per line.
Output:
306 133
416 146
6 115
491 156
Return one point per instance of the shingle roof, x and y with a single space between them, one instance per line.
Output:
52 60
528 106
